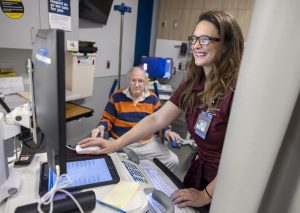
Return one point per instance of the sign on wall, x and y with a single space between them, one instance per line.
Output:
60 14
13 9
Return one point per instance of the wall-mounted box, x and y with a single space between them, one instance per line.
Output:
80 70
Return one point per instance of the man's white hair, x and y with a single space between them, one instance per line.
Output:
137 68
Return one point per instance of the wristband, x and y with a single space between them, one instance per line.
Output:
208 193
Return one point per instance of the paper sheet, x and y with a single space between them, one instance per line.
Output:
121 193
11 85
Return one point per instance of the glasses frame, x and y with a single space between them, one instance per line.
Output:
136 81
203 39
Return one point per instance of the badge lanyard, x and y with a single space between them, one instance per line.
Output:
203 123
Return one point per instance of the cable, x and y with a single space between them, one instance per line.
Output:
34 148
71 148
61 182
4 105
16 152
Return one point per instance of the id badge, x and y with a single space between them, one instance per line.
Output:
203 123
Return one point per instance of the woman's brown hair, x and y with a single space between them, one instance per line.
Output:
226 67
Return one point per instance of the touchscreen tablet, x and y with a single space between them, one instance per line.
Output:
86 173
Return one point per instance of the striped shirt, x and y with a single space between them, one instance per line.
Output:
122 113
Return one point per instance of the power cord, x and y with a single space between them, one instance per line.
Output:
17 152
25 141
60 183
71 148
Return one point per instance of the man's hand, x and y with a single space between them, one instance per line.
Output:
96 131
169 134
190 197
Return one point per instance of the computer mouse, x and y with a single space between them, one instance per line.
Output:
86 150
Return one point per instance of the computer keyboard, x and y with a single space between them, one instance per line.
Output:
135 172
161 182
156 178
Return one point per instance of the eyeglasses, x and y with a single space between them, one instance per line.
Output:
203 40
139 81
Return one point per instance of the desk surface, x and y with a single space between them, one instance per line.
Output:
73 111
28 192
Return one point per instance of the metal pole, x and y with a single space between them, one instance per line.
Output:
122 9
120 50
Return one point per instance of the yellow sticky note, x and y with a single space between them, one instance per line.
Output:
121 193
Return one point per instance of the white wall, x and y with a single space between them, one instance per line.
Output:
107 38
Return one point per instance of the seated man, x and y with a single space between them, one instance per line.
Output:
126 108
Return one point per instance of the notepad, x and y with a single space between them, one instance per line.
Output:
121 193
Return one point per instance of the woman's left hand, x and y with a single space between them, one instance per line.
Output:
190 198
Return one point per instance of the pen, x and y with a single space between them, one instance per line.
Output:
110 206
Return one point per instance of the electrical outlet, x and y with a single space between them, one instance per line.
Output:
107 64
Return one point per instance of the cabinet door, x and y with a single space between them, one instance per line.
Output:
17 33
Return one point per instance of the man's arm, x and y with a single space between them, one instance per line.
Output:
150 124
107 120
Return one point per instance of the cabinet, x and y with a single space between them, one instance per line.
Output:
18 33
178 18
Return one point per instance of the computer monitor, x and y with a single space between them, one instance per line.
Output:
48 57
158 68
95 10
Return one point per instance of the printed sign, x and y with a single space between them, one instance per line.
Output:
42 56
12 8
60 14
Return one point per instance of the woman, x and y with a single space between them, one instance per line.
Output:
205 98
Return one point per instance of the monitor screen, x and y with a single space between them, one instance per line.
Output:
95 10
48 57
158 67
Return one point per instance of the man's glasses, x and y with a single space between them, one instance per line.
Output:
203 40
136 81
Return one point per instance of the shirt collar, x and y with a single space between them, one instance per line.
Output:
128 95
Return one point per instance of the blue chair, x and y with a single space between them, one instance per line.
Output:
113 87
156 89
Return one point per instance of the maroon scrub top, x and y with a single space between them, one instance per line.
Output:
205 165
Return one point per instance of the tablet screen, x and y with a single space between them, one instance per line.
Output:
89 172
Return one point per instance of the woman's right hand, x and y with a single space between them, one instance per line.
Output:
106 146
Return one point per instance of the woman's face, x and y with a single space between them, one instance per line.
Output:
206 54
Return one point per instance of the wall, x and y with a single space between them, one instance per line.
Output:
107 38
177 18
77 130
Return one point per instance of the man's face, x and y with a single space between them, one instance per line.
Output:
137 82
